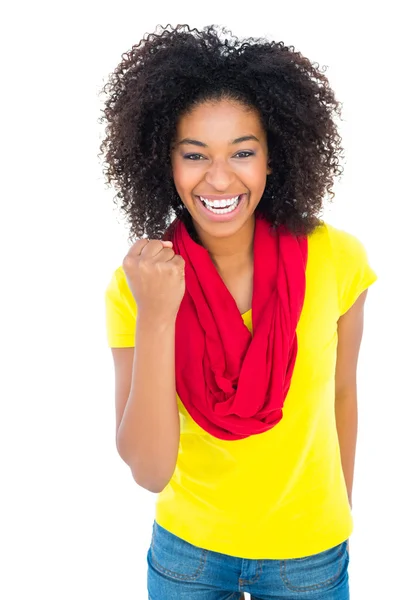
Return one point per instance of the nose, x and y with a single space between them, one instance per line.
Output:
219 175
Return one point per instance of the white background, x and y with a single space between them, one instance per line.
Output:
73 524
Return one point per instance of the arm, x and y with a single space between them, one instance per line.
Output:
148 426
350 330
147 411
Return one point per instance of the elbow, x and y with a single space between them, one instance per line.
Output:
155 485
151 474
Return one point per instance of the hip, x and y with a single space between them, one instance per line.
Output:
178 570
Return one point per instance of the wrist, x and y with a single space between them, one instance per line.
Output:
155 320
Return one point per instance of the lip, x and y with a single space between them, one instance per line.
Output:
218 196
224 217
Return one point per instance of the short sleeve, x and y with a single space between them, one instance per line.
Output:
354 273
121 312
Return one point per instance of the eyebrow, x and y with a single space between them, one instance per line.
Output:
244 138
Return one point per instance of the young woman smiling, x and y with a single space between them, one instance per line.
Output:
236 317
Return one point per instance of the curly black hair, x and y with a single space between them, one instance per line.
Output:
169 72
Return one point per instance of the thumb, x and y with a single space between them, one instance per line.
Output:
166 244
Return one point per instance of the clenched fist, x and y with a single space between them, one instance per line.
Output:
156 277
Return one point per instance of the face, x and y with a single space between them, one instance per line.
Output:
220 166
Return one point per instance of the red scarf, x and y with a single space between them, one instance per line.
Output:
231 383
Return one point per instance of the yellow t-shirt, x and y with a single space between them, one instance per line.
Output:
279 494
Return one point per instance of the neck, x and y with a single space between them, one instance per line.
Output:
233 252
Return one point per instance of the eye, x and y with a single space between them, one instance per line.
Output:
246 152
193 156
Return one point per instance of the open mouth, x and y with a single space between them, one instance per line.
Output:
221 207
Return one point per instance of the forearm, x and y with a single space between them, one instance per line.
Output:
148 436
346 425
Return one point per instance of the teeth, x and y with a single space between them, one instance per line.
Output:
219 203
222 211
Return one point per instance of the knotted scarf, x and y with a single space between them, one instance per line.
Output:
232 383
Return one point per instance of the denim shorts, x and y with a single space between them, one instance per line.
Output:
178 570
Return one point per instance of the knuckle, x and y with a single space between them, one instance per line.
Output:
142 263
160 267
139 244
127 262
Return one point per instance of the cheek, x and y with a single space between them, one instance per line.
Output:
254 176
185 178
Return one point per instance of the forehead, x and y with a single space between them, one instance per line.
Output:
220 120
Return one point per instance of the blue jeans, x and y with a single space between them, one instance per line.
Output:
178 570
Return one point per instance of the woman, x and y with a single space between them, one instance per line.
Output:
235 329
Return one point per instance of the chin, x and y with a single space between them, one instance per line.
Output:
219 230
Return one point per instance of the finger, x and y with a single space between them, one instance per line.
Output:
179 261
153 248
137 247
165 255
